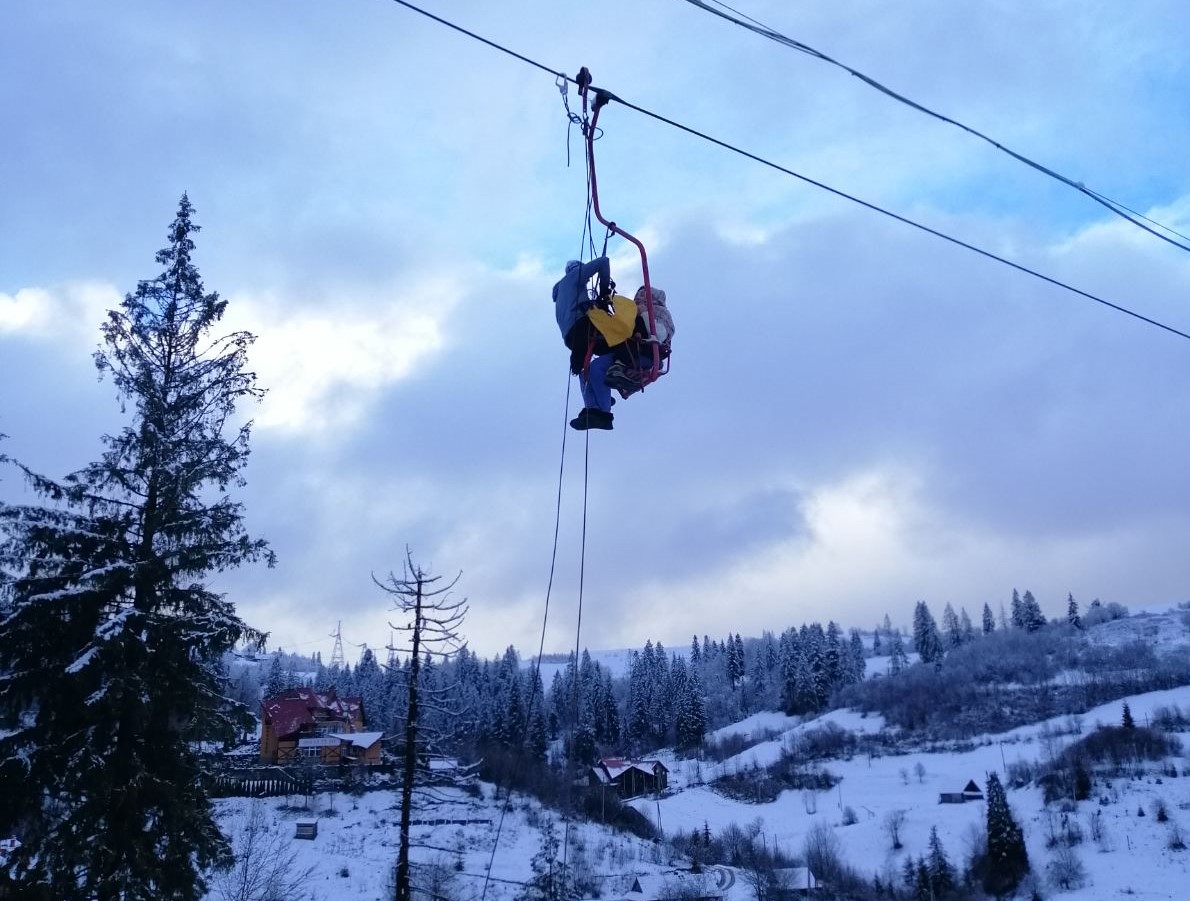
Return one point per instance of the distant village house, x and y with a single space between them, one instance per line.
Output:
630 778
303 725
971 793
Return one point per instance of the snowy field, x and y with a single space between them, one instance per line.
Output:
353 855
1134 861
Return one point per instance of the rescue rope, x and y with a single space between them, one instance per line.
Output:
544 621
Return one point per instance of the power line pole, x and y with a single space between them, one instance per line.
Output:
337 653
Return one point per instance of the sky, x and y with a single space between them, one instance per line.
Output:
858 415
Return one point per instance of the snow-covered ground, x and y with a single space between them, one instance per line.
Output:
1135 861
354 853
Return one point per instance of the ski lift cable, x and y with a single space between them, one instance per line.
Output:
821 185
544 622
773 35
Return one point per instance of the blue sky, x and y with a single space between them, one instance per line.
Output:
858 415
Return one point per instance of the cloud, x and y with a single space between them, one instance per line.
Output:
69 311
325 366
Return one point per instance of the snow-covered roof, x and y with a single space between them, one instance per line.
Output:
360 739
291 710
616 766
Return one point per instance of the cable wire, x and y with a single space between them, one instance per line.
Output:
773 35
544 620
759 159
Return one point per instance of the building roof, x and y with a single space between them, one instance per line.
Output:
363 740
615 767
291 710
972 788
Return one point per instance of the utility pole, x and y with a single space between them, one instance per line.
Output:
337 651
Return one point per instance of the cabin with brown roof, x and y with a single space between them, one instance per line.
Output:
630 777
301 724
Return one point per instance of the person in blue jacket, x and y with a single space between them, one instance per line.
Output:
571 302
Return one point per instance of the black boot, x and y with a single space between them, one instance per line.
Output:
592 418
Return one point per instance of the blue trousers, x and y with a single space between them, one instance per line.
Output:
595 391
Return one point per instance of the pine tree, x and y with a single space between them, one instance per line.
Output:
692 716
938 866
898 659
856 658
552 879
1007 860
275 682
1018 611
1033 618
989 621
925 635
1072 616
951 627
965 626
1128 722
112 638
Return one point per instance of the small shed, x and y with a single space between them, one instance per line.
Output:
307 829
794 882
970 793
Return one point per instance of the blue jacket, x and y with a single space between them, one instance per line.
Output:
570 293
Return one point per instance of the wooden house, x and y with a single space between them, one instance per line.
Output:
305 725
630 778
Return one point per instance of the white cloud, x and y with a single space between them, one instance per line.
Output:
69 311
324 367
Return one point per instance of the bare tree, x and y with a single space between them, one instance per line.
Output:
432 626
894 822
266 866
823 853
1066 870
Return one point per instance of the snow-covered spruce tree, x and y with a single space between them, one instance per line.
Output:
1007 860
939 868
1034 619
1072 616
692 713
925 635
1018 610
952 628
111 640
989 621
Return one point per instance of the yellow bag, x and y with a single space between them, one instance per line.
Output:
616 327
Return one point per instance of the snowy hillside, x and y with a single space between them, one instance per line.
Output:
355 848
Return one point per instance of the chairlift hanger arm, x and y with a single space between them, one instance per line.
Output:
602 98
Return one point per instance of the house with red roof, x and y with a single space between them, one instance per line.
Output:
630 777
301 724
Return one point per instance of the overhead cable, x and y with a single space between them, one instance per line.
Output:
1124 212
825 187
